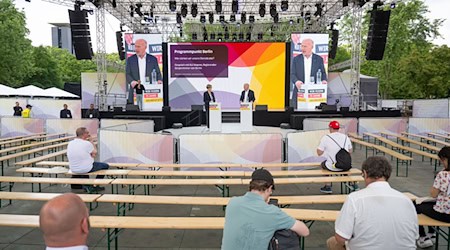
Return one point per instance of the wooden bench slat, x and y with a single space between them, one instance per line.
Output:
43 180
43 196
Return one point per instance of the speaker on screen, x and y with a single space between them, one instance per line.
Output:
378 30
81 38
334 43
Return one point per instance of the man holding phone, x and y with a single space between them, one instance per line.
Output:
250 222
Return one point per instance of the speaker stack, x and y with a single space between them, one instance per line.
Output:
81 38
378 30
334 43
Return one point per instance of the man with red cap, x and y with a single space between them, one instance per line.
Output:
329 146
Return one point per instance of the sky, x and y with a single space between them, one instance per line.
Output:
39 14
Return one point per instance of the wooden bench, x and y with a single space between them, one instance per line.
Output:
33 161
434 135
422 145
24 140
427 139
41 180
36 144
400 158
115 224
88 198
19 137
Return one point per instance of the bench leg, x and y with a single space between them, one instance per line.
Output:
113 234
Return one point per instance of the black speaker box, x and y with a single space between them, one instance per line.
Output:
196 107
81 38
334 43
132 107
261 108
378 30
329 108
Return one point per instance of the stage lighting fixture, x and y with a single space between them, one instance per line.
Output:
251 19
234 6
95 3
232 18
218 6
179 18
275 18
241 36
173 5
219 37
205 37
138 9
393 4
113 3
249 37
226 36
184 10
194 10
262 9
284 5
194 36
291 22
234 37
243 17
271 34
131 10
344 3
202 19
212 36
273 10
260 36
222 18
211 17
318 10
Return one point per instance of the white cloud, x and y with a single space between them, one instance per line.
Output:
439 10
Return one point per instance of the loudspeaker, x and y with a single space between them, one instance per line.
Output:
334 43
81 38
329 108
378 30
344 109
261 108
118 109
120 47
196 107
132 107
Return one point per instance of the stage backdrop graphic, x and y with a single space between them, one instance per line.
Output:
226 66
15 126
133 147
89 86
231 148
153 96
377 125
69 126
7 104
320 48
302 146
50 108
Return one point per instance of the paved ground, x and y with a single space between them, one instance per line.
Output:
419 181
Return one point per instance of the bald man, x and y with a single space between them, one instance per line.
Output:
64 222
140 67
247 94
304 67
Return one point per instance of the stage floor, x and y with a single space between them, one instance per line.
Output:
228 128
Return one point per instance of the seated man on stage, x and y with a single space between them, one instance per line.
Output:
81 152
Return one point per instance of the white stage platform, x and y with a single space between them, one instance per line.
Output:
228 128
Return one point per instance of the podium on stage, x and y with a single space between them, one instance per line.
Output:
311 95
215 117
246 116
153 97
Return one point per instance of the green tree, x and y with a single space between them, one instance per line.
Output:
16 52
46 73
69 67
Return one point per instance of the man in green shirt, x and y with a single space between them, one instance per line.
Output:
250 222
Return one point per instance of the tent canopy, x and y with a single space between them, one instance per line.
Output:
32 90
59 93
5 90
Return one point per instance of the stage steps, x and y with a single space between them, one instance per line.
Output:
231 117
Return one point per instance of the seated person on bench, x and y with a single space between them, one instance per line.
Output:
250 222
64 222
376 217
440 208
81 152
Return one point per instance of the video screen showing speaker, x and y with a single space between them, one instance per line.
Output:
309 71
144 76
227 67
378 31
81 38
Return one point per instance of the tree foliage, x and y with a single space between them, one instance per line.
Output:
16 49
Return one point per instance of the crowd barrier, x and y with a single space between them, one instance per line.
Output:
348 125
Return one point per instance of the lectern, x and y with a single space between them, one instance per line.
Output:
215 117
246 116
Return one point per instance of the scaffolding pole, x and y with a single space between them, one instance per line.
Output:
101 56
357 14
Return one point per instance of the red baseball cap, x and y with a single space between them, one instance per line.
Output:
334 125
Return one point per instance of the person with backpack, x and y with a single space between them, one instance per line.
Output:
336 147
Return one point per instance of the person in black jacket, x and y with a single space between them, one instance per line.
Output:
140 89
65 113
92 112
17 110
247 94
208 97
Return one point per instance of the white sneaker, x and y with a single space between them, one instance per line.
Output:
432 237
424 242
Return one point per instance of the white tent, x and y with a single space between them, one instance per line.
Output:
31 90
5 90
55 92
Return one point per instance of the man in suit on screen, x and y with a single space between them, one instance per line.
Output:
304 68
140 67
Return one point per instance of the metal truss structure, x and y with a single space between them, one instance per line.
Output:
155 16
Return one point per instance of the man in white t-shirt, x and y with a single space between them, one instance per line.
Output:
81 152
329 146
376 217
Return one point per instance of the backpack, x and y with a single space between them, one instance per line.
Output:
284 239
343 158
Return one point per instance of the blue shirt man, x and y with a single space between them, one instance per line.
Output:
250 222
